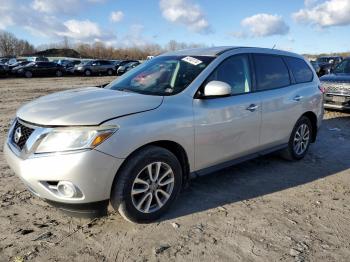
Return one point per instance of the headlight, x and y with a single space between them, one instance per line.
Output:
68 139
79 67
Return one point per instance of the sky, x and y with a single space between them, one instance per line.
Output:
302 26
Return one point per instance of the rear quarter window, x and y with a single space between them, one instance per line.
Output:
301 71
271 72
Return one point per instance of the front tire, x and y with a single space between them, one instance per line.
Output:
147 185
299 141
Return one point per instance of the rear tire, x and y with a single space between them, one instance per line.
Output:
28 74
299 141
87 72
136 195
110 72
59 73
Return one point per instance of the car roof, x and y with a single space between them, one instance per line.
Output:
216 51
330 57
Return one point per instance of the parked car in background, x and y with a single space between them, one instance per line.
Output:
95 67
327 63
38 59
8 60
124 62
18 63
125 68
69 65
4 70
116 63
316 67
40 69
137 141
337 87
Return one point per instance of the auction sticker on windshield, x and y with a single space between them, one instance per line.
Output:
191 60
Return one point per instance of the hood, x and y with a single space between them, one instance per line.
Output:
85 106
336 78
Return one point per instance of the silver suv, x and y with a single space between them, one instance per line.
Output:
137 141
95 67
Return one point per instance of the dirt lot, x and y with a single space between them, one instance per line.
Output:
266 209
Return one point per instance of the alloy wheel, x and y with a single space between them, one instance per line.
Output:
152 187
301 139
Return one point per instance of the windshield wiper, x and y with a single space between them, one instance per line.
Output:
127 90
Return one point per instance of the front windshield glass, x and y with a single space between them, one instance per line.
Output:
163 75
343 67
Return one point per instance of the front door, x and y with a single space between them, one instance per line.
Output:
227 127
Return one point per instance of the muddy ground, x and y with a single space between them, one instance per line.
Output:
266 209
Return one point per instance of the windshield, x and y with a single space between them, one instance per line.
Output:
163 76
343 67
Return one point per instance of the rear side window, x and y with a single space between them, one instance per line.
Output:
271 72
301 71
105 62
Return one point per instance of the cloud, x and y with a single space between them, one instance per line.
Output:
41 20
186 13
85 30
116 16
82 29
56 7
325 14
262 25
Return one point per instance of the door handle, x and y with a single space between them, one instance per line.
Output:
252 107
297 98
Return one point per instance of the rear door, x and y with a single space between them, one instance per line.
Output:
96 66
281 99
227 127
40 69
51 68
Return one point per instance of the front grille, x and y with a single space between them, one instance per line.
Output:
337 87
20 134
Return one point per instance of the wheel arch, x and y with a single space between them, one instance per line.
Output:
173 147
313 119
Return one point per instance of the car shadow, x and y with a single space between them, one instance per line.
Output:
268 174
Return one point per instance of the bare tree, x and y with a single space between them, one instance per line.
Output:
7 44
66 44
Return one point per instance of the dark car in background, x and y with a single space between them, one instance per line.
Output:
328 63
124 62
8 60
38 59
4 70
69 65
337 87
126 67
316 67
95 67
40 69
18 63
116 63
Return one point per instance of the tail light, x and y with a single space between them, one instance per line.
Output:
322 89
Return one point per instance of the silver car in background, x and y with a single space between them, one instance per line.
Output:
137 141
95 67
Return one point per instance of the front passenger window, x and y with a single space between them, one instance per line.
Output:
235 72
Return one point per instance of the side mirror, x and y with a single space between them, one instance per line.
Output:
217 89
